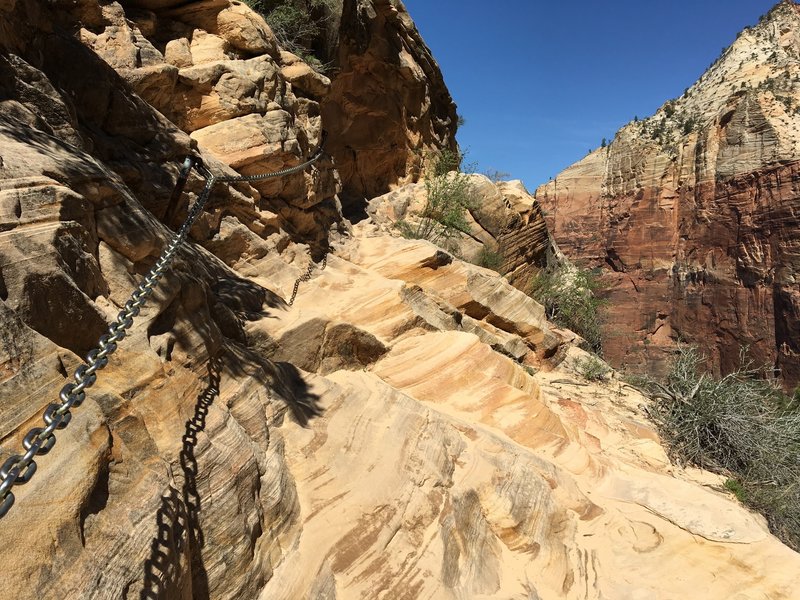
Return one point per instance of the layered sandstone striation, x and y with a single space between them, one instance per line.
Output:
456 471
412 427
505 224
693 213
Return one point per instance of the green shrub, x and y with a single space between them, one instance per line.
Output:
734 486
570 299
444 161
740 425
448 197
490 259
296 24
592 368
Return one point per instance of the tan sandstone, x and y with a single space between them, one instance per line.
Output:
411 427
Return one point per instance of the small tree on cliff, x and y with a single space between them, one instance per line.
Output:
448 197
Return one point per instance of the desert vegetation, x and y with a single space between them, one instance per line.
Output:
742 426
297 24
592 368
448 197
571 299
490 259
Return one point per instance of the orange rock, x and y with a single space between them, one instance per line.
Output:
692 214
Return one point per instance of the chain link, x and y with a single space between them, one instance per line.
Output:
283 172
307 276
19 468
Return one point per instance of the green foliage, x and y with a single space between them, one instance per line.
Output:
444 214
296 23
490 259
669 108
592 368
570 299
740 425
446 161
448 197
734 486
603 143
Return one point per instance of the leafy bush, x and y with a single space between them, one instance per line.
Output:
570 299
296 23
448 196
490 259
445 161
740 425
592 368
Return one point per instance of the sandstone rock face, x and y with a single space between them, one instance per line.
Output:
388 103
216 71
411 427
693 213
504 220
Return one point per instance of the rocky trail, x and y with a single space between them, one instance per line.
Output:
410 426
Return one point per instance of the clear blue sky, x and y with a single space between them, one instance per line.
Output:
539 82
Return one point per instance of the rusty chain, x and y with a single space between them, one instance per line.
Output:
18 469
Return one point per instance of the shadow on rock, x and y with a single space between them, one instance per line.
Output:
245 298
282 379
180 538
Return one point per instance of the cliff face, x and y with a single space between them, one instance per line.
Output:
411 426
693 213
388 101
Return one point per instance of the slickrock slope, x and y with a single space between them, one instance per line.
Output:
504 220
693 212
440 468
410 427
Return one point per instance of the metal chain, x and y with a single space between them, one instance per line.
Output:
19 468
307 276
282 173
